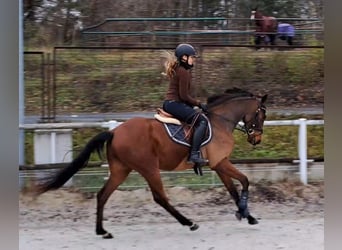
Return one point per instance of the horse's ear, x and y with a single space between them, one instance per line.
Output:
264 98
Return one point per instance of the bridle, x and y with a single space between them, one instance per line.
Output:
249 127
253 126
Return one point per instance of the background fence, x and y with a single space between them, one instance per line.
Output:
168 31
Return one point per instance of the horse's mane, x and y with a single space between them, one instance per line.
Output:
229 94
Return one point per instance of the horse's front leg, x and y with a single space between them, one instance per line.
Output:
226 171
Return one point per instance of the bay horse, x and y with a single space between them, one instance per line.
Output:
266 28
143 145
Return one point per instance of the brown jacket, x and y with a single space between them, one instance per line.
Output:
180 86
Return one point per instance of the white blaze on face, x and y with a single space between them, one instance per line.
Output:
253 15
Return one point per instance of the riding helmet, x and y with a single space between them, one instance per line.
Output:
184 49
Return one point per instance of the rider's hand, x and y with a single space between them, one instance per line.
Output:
204 107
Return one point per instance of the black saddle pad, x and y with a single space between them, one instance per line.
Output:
177 134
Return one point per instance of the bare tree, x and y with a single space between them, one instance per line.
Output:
51 22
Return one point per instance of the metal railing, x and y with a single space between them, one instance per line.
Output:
302 124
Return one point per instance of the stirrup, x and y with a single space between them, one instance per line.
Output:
198 169
196 158
198 161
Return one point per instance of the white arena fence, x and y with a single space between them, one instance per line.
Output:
302 124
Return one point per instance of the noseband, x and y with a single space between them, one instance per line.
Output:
253 126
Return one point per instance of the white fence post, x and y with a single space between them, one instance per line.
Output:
302 150
110 125
52 146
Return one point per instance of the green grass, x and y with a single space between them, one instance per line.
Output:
92 180
280 142
125 80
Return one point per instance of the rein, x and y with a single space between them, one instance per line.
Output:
237 126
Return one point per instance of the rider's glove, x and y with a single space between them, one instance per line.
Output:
204 107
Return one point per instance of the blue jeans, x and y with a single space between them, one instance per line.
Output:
182 111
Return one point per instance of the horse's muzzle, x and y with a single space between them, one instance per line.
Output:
254 138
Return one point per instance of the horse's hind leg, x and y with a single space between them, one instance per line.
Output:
226 171
118 174
159 196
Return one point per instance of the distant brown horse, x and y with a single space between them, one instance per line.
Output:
266 28
143 145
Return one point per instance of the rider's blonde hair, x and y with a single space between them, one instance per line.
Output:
170 63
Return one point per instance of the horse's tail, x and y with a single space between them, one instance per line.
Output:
56 181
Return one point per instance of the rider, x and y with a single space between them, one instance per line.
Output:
178 100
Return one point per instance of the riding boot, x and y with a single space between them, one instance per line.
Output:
195 153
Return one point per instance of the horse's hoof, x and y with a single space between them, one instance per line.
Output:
107 236
238 215
252 220
194 227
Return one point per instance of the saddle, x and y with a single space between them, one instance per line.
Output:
165 117
180 132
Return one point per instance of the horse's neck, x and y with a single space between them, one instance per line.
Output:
259 21
270 23
234 111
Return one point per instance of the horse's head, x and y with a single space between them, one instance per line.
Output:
254 121
236 104
255 14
